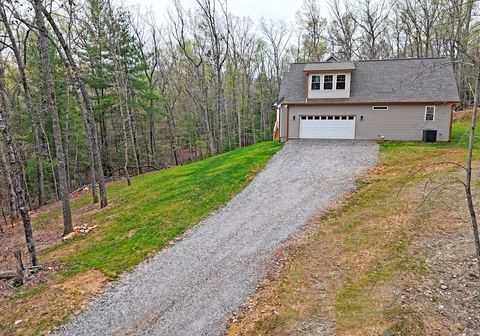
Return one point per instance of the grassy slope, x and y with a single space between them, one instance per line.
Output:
139 221
360 249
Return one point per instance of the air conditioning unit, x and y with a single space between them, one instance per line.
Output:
429 135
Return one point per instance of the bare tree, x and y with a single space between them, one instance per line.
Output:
216 30
312 26
47 72
278 37
371 17
150 59
468 183
89 117
12 201
17 179
196 54
29 105
343 30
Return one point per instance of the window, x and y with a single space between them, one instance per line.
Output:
310 117
324 117
379 107
344 117
429 113
317 117
328 82
303 117
341 80
330 117
316 82
350 117
337 117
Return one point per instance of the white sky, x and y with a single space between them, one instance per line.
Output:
256 9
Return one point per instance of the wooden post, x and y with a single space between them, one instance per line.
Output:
20 275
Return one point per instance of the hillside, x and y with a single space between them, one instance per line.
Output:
387 261
140 220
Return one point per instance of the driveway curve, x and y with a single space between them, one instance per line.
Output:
192 287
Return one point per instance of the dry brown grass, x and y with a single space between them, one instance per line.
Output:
354 272
23 315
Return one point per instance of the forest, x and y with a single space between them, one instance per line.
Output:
93 90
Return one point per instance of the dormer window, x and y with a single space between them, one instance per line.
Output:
316 79
341 80
328 82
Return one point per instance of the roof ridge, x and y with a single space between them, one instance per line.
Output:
403 59
379 60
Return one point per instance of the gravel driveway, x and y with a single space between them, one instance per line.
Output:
192 287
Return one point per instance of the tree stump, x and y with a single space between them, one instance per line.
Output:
20 275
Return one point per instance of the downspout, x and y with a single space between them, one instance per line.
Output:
451 123
288 119
306 87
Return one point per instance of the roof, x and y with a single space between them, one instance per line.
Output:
322 66
331 58
396 80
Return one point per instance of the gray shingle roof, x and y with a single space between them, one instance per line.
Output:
399 80
322 66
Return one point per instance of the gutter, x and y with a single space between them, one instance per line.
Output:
371 103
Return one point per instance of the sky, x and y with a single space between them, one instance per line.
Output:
256 9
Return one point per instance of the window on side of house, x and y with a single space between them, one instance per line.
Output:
380 107
316 79
429 113
341 80
328 82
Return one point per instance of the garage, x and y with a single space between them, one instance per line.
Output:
327 127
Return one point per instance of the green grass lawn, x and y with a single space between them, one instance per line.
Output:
139 221
159 206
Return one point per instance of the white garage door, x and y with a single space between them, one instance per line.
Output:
327 127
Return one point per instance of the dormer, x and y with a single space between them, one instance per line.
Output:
328 79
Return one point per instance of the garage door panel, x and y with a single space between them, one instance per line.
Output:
327 128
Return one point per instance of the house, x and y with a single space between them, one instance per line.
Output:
394 99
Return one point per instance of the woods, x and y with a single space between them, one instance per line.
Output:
94 90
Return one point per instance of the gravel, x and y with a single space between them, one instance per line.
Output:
192 287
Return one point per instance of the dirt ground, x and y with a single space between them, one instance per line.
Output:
13 238
46 236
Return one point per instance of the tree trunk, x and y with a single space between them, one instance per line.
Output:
20 275
131 129
3 216
29 105
468 189
47 73
125 145
97 157
90 146
151 134
219 109
17 179
11 189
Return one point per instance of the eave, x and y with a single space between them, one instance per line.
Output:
327 71
407 102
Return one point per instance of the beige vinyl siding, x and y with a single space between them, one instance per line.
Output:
399 122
